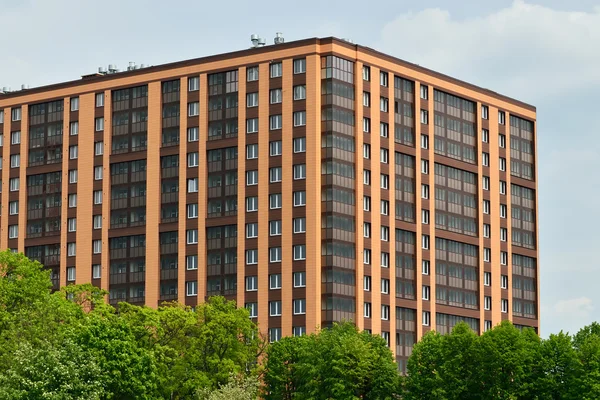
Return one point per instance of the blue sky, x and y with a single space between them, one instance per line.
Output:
542 52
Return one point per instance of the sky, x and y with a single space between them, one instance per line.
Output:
543 52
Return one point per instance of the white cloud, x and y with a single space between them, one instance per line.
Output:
525 50
580 307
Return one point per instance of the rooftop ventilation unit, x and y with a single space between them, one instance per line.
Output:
278 38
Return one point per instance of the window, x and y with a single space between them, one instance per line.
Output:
300 145
426 318
1 140
384 155
487 278
503 258
383 104
193 135
274 174
191 288
485 159
300 225
192 236
192 185
251 283
251 178
299 252
366 203
73 151
251 204
72 224
15 137
99 99
486 206
193 84
275 122
98 148
424 92
425 216
97 196
96 271
71 249
367 257
98 173
385 181
300 92
276 70
299 279
13 231
274 254
385 233
366 73
385 312
484 112
252 100
16 114
251 151
503 234
487 254
275 308
299 118
193 109
1 116
424 141
275 228
486 230
425 292
99 124
425 267
502 187
252 309
275 148
385 286
487 303
366 125
367 229
14 184
252 74
367 283
191 262
367 177
366 151
299 199
425 242
252 125
424 117
274 281
502 210
71 274
501 118
15 160
367 310
485 136
486 182
299 171
504 303
504 281
274 335
97 246
13 208
73 176
385 207
502 164
276 96
424 191
383 78
74 104
74 128
300 66
502 141
192 210
366 99
425 166
97 221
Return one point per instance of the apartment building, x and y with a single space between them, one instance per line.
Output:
313 181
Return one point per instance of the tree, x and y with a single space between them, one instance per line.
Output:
559 369
336 363
587 345
238 388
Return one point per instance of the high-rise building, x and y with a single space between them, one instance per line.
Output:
313 181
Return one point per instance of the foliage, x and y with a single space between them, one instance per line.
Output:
237 388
